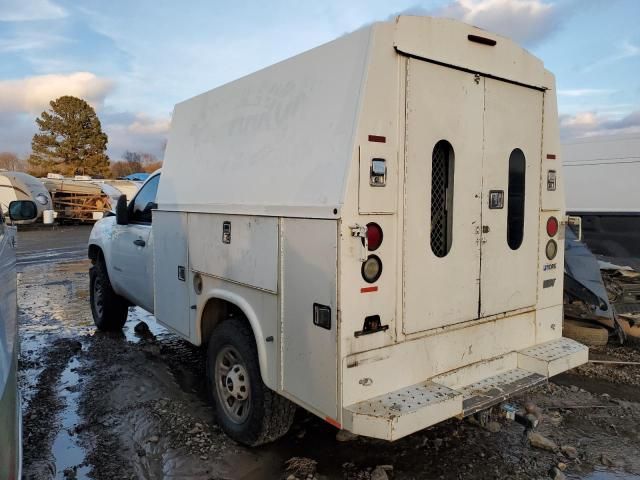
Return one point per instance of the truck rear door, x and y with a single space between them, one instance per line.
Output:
443 182
511 170
472 175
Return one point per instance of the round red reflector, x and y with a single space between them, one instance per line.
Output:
374 236
552 226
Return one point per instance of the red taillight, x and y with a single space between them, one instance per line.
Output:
552 226
374 236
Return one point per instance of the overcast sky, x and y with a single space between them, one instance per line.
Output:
133 60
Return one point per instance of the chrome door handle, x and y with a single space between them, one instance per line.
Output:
139 242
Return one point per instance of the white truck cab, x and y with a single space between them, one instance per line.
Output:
370 230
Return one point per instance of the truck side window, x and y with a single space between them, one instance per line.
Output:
141 208
515 199
442 162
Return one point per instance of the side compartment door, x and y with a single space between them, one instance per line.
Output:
443 184
511 196
309 312
172 278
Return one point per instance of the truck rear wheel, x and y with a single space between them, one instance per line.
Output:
247 410
109 309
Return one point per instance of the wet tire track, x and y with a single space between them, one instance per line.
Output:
41 423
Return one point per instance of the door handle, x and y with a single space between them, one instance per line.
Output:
139 242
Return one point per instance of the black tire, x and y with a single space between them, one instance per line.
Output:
586 333
109 309
269 415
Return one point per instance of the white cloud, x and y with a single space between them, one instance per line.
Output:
585 124
25 41
623 51
525 21
584 92
135 132
26 10
33 94
144 124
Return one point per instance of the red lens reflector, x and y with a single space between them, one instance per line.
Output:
374 236
552 226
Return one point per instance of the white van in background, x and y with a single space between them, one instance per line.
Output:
371 230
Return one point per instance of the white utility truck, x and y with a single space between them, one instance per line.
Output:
371 230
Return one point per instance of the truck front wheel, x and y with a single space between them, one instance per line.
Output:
109 310
247 410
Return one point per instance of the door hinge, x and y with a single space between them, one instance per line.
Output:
360 231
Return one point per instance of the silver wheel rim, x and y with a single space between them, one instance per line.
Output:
232 384
98 297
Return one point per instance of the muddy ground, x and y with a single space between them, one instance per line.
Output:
133 405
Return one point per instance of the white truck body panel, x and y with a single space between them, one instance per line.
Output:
171 250
286 156
277 140
309 354
251 258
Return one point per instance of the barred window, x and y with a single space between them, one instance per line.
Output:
442 167
515 199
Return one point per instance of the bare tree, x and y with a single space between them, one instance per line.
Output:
132 157
10 161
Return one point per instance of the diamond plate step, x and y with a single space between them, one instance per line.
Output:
395 414
553 357
498 388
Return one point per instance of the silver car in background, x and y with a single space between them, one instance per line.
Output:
10 418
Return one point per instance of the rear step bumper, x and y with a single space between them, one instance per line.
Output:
400 413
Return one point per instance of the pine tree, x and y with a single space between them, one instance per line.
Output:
71 140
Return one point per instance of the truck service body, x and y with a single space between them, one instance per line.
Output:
385 212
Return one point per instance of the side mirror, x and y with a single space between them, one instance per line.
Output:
149 207
575 223
122 211
22 210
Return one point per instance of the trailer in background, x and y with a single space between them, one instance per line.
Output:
602 174
76 200
22 186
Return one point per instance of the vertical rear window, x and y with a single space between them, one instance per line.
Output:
515 199
442 163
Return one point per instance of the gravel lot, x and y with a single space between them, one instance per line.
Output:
133 405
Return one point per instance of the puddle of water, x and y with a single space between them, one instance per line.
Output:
136 315
66 450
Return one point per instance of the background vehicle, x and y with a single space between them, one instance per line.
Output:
342 247
10 423
22 186
602 175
